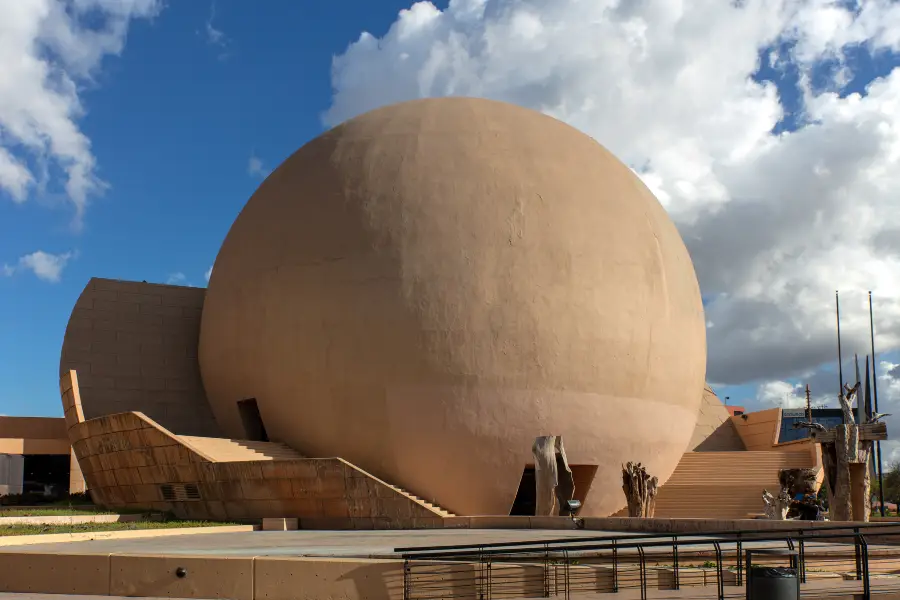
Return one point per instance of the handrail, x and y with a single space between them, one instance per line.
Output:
410 550
576 547
486 558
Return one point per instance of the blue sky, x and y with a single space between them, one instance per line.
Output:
205 98
173 125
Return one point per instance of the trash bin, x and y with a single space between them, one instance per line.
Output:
773 583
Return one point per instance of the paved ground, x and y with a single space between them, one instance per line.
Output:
359 544
301 543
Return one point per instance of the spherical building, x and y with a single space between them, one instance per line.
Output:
428 287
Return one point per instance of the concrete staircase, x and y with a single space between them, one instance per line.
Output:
227 450
437 510
724 485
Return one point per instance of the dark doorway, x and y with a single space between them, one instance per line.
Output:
525 503
526 498
254 429
46 474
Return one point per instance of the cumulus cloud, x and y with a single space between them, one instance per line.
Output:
177 279
208 273
781 393
45 266
889 402
49 50
778 207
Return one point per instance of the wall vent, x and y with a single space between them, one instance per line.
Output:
179 493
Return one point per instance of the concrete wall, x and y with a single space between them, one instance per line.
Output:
759 430
134 346
131 462
714 431
38 428
33 435
236 578
77 484
12 472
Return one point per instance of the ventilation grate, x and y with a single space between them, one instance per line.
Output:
179 493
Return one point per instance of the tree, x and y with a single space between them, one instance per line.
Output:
891 483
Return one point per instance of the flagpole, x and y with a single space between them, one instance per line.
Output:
860 403
875 406
837 307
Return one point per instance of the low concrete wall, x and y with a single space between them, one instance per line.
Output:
70 519
54 538
235 578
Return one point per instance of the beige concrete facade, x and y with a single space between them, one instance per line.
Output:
715 431
134 346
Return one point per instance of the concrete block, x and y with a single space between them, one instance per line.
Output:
280 524
158 576
82 574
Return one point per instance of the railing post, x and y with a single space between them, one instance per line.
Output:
864 546
801 559
406 568
675 582
739 547
566 563
720 579
615 552
546 570
482 576
642 566
858 552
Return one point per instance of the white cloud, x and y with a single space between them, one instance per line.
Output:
774 223
255 167
889 402
214 36
781 393
49 49
48 267
7 270
208 273
177 279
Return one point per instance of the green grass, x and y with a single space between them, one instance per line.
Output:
52 511
8 530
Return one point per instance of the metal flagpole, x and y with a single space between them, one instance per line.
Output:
860 401
808 412
837 306
875 406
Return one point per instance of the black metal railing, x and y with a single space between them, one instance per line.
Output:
562 566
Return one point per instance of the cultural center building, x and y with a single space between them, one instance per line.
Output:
401 308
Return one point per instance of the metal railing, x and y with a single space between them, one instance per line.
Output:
608 564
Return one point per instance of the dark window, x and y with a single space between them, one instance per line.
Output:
253 424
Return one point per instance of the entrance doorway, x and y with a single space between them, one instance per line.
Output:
526 498
525 503
254 429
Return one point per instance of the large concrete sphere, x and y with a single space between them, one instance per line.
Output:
426 288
